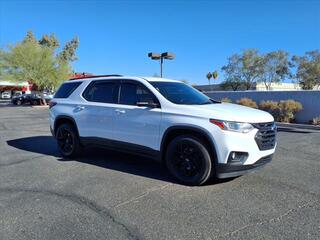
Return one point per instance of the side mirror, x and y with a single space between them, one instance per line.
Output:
148 104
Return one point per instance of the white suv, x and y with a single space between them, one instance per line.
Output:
194 136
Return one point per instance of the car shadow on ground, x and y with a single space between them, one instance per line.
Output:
122 162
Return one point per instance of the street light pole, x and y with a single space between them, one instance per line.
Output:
161 57
161 63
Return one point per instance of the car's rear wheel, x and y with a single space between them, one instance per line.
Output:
68 141
188 160
18 102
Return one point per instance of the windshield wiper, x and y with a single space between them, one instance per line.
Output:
214 101
206 103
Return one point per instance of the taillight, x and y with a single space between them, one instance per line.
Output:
52 104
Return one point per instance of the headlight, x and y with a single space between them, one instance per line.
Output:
233 126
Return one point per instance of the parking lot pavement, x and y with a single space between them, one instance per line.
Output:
107 195
4 102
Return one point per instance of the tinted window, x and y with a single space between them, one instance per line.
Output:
132 93
180 93
66 89
105 92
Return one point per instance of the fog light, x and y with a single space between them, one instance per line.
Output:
237 157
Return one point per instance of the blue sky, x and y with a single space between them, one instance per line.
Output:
115 36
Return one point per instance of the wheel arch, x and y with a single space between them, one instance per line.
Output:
175 131
61 119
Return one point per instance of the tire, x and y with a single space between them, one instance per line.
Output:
18 102
68 141
188 160
34 102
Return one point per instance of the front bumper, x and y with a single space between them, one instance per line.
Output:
228 170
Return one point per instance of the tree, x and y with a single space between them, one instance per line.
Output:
31 62
35 61
49 41
215 75
2 62
30 38
275 67
68 53
209 76
244 68
308 69
234 84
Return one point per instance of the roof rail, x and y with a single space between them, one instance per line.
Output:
95 76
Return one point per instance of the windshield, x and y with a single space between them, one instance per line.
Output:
180 93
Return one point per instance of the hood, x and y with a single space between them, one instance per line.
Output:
231 112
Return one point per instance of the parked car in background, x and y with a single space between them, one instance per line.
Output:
48 97
17 94
6 95
32 99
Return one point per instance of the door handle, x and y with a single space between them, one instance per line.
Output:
119 111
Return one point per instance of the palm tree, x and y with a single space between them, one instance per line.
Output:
209 76
215 75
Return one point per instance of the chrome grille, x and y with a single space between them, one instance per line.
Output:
266 136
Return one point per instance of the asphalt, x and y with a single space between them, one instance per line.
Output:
108 195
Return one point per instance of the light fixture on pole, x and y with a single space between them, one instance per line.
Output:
157 56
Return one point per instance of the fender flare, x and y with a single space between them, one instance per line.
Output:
66 117
195 129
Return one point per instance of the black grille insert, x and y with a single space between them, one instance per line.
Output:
266 136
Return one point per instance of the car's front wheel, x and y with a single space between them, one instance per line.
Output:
68 141
188 160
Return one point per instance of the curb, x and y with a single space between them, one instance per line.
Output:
40 106
296 125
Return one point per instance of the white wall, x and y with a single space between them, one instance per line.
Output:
310 100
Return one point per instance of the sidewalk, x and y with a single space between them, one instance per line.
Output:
296 125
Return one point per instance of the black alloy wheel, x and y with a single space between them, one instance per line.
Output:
188 160
68 141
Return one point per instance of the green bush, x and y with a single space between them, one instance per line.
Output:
271 107
247 102
226 100
288 109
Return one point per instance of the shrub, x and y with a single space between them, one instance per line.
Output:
316 121
271 107
247 102
226 100
288 109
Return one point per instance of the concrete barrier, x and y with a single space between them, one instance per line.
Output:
310 100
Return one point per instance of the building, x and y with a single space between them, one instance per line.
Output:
278 87
7 86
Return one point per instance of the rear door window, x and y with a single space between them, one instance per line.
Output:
131 93
102 91
66 89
